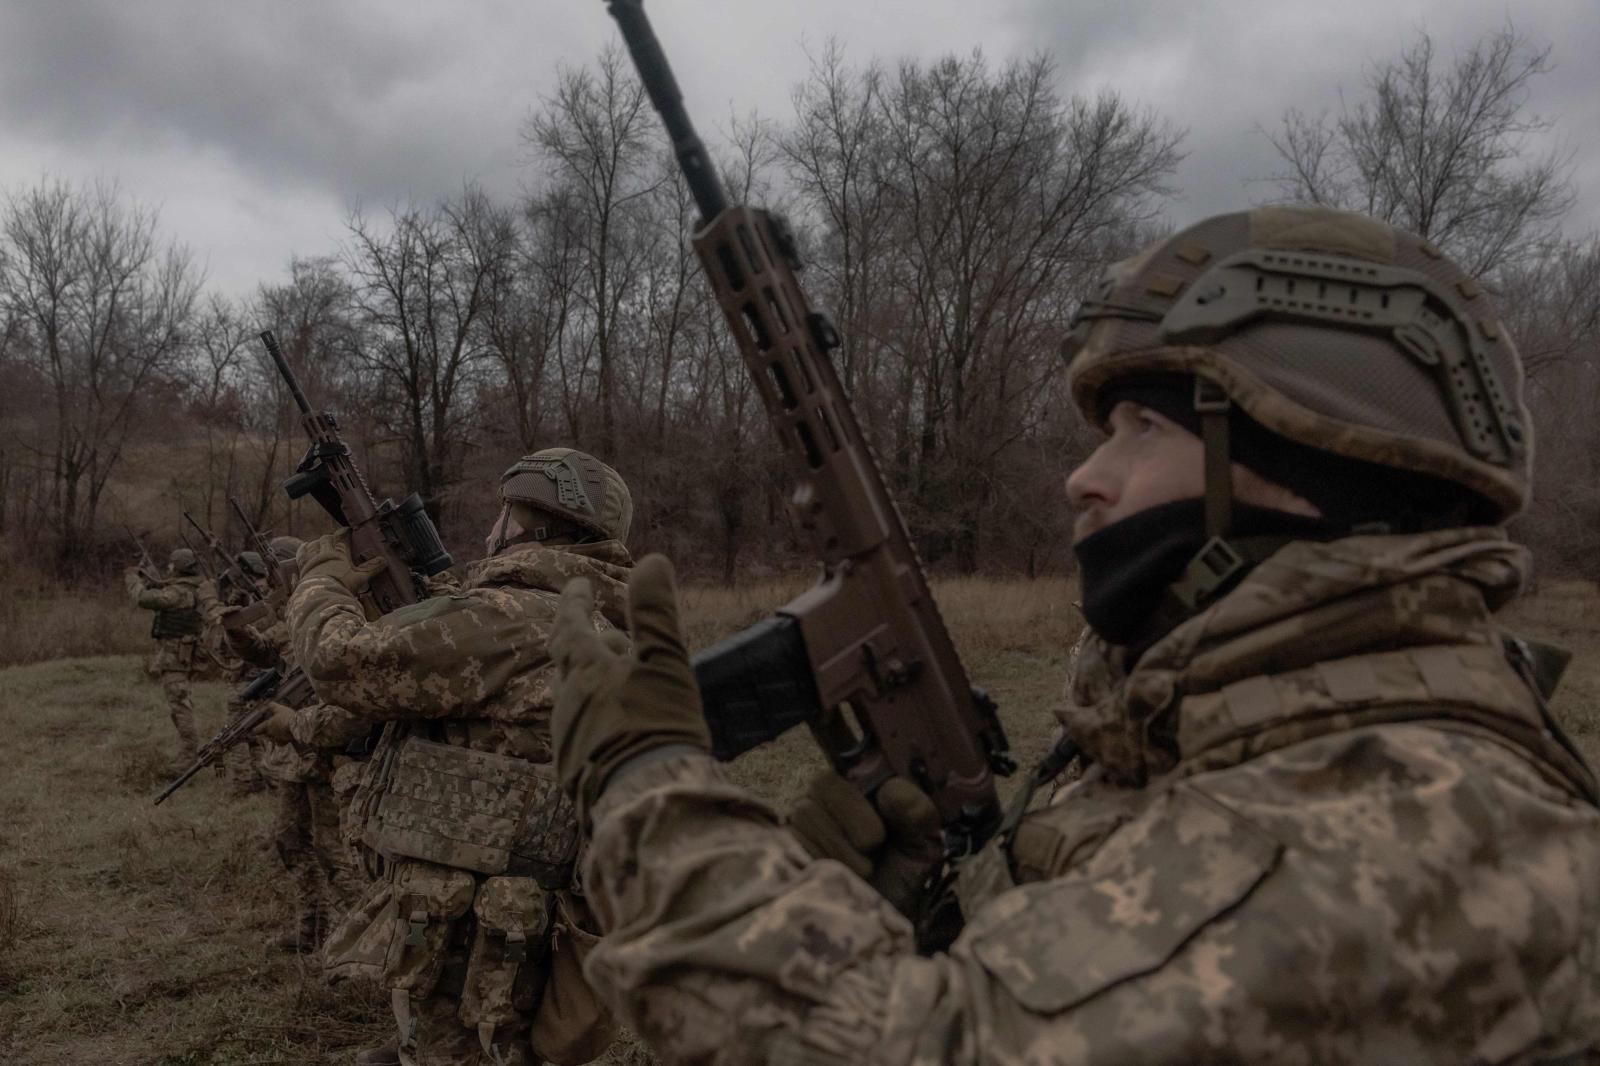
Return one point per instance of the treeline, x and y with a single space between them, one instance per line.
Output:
952 214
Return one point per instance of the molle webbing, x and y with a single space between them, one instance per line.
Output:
475 810
169 624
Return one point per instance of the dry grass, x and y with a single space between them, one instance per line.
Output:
40 621
140 933
8 911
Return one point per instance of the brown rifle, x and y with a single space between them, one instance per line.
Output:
401 534
869 636
291 688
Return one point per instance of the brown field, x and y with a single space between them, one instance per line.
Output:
139 932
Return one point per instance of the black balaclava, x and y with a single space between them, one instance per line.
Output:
1128 566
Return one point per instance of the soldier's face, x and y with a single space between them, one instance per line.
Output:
1146 460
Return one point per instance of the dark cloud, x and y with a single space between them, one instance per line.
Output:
256 125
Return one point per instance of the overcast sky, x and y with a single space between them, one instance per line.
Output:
255 126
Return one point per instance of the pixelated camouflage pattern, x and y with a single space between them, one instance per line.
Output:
175 661
474 661
468 668
476 811
1296 852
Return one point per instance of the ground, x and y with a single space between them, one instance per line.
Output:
140 932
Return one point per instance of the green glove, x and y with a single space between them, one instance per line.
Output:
613 704
329 556
892 841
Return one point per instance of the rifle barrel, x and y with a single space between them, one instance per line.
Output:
276 352
656 74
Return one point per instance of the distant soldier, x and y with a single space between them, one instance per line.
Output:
184 603
459 810
243 656
305 828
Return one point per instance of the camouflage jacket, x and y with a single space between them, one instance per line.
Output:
1328 824
472 661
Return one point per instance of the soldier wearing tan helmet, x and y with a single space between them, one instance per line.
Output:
184 604
472 922
1328 817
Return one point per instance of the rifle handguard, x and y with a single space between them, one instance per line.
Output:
755 686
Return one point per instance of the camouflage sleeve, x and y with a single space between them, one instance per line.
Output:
134 583
723 943
467 655
206 602
164 597
322 725
258 645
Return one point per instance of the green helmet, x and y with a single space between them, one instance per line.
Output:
283 548
183 561
253 563
1328 328
561 490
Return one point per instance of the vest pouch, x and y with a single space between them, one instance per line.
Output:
572 1025
505 969
358 947
474 810
429 901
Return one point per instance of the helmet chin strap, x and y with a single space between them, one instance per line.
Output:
1217 561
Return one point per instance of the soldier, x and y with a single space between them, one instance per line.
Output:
184 604
1329 817
459 812
245 650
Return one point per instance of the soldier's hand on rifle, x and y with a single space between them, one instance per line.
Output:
613 704
892 841
329 556
280 727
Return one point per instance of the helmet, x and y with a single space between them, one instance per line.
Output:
183 561
284 548
253 563
570 486
1328 328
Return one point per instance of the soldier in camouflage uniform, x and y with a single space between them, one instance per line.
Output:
1329 817
459 814
184 603
244 656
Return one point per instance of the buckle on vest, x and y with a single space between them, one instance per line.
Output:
415 928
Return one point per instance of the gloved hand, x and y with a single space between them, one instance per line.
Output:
279 728
613 704
329 556
892 841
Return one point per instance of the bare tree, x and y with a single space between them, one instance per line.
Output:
102 306
1443 151
599 139
421 286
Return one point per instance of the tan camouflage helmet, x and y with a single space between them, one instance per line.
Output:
183 561
1329 328
569 486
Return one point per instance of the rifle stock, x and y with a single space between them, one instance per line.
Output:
867 642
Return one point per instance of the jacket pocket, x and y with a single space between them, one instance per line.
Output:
572 1025
1153 886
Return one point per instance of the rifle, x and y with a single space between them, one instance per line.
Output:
203 558
147 566
277 580
292 688
401 534
225 571
867 641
